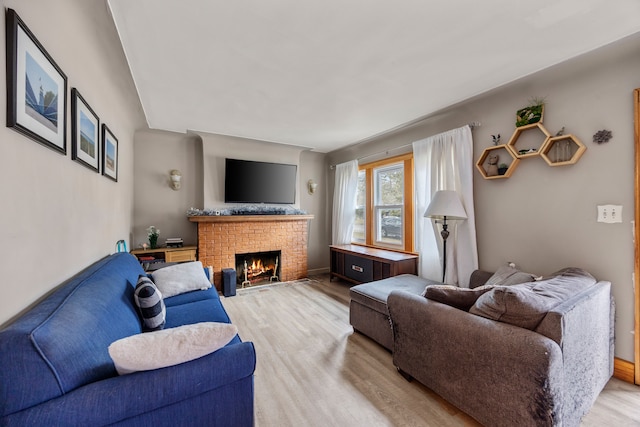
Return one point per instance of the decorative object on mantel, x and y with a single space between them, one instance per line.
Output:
602 136
247 210
496 139
153 233
533 113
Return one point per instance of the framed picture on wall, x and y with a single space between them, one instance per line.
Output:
109 154
85 132
36 88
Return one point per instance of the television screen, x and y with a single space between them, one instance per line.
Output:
259 182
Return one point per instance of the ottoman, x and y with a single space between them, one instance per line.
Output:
368 307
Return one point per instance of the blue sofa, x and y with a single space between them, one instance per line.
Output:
55 368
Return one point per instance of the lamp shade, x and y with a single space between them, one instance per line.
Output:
445 203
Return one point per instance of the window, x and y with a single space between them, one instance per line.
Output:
388 190
384 211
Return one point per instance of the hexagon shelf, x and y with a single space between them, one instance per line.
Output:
503 153
562 150
533 135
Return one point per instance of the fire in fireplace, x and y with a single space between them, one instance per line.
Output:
257 268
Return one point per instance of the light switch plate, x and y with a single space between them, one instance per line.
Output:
609 213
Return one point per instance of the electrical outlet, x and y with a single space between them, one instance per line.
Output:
609 213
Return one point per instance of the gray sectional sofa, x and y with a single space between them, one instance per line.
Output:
531 354
368 313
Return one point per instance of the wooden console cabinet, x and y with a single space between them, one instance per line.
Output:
360 264
185 253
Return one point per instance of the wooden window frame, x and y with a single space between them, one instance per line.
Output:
408 217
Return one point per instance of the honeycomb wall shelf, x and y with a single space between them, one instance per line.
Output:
562 150
535 132
533 140
501 150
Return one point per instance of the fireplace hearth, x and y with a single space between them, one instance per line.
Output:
258 268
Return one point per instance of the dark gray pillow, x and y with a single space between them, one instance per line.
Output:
508 275
461 298
150 305
526 304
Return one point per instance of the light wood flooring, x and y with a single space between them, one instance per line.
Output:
313 370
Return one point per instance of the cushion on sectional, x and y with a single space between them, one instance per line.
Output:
168 347
181 278
461 298
508 275
526 304
150 305
374 294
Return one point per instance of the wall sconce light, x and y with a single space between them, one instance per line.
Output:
311 186
175 176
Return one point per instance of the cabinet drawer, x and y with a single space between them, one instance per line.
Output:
357 268
181 256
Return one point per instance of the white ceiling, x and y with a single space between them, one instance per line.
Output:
329 73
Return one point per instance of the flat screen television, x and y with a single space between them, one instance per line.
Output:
248 181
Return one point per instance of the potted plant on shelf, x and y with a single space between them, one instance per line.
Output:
502 168
532 113
153 233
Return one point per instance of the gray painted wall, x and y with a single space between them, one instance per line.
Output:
544 218
200 158
156 153
57 216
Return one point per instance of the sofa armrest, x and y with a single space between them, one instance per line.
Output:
583 327
497 373
118 398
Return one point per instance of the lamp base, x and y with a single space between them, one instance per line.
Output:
444 233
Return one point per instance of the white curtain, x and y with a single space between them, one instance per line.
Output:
344 202
445 162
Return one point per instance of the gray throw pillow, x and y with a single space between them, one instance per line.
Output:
526 304
508 275
461 298
150 305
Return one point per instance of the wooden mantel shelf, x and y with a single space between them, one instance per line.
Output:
247 218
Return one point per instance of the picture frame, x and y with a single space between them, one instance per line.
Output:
85 132
109 154
36 88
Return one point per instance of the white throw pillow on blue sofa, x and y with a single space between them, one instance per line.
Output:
181 278
168 347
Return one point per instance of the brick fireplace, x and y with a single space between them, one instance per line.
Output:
220 238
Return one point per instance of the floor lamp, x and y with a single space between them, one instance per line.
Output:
445 205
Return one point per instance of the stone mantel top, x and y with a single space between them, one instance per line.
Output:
248 218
